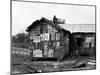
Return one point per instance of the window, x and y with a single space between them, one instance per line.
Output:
89 42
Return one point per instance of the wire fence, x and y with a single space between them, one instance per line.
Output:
20 51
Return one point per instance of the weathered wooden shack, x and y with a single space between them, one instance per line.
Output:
49 40
84 36
86 44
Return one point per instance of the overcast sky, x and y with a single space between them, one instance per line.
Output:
24 13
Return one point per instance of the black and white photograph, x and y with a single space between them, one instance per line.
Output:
52 37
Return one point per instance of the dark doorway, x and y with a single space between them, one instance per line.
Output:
79 42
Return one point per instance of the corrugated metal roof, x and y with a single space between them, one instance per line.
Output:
79 27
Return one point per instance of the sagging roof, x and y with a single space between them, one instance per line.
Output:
86 28
41 20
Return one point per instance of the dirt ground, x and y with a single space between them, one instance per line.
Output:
23 66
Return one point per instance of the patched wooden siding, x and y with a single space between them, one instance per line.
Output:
50 41
88 44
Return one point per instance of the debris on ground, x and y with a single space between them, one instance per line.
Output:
52 66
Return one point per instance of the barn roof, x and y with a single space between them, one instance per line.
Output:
87 28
